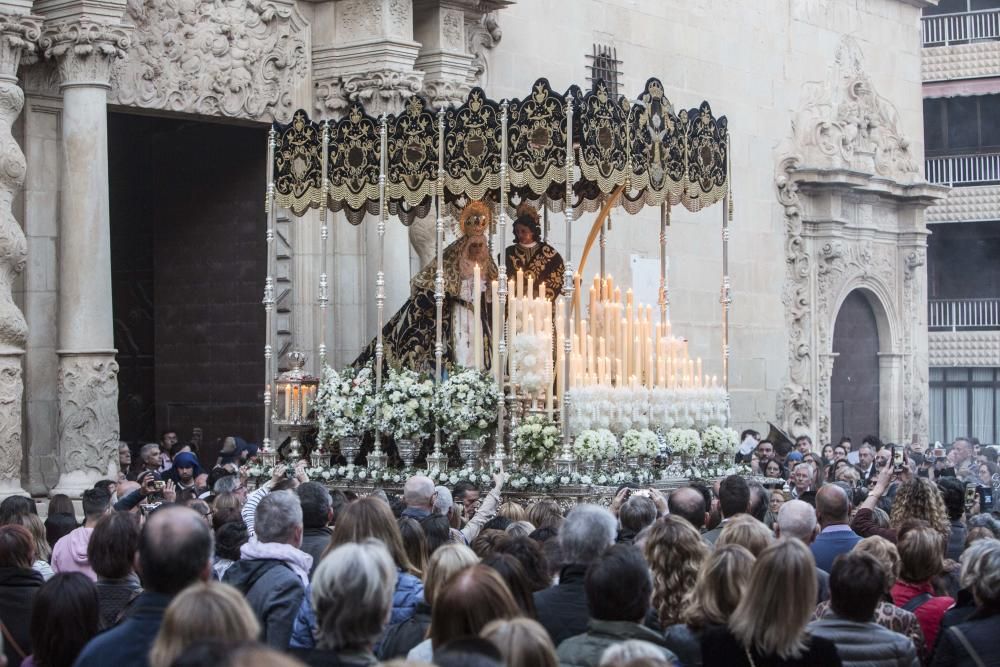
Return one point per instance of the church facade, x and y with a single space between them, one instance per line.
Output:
132 235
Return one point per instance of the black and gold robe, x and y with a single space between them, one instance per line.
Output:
408 337
540 261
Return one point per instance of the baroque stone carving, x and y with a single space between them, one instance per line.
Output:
84 50
233 58
481 36
11 392
382 91
845 124
88 415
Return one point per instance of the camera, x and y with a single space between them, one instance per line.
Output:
970 495
158 485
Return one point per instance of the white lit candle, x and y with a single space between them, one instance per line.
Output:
477 322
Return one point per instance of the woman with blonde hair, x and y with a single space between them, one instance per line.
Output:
202 611
43 552
768 627
747 532
674 551
722 581
444 563
521 641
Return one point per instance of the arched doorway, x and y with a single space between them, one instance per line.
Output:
854 385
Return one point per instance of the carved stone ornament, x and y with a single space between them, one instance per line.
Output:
84 50
845 124
238 58
382 91
481 36
11 393
844 127
88 416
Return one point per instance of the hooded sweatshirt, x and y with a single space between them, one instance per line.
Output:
70 553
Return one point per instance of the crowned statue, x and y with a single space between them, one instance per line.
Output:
408 338
532 255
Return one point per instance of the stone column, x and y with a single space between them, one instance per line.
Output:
18 33
85 50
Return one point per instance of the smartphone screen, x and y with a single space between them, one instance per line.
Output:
898 459
970 494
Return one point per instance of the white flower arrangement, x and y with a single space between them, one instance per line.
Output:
407 402
640 443
535 440
719 440
530 358
345 403
683 442
467 404
596 445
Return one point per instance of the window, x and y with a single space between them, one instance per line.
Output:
965 402
960 6
604 65
957 125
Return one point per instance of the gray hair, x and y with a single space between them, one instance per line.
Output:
418 491
442 500
803 465
147 448
520 529
226 484
618 655
352 595
797 519
987 521
981 571
277 517
587 531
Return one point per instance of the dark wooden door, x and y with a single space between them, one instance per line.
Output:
854 386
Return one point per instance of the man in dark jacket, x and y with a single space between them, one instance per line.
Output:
833 511
734 498
317 513
585 533
175 550
618 590
272 571
857 584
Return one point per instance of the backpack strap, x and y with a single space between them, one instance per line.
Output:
964 641
917 602
9 638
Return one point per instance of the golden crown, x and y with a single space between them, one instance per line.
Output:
475 218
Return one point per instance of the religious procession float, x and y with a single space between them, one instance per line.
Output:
505 355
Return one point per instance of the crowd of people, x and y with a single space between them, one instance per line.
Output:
892 560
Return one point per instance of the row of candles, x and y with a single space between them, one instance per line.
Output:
298 401
620 344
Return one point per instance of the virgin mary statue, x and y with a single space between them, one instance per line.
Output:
408 338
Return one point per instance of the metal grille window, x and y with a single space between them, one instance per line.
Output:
605 66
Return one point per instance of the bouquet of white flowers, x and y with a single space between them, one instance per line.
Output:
718 440
530 355
683 442
467 404
596 445
535 440
640 443
407 401
345 403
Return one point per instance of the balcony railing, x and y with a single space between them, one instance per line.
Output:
961 28
960 314
960 170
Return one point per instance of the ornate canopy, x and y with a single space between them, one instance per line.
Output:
656 153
